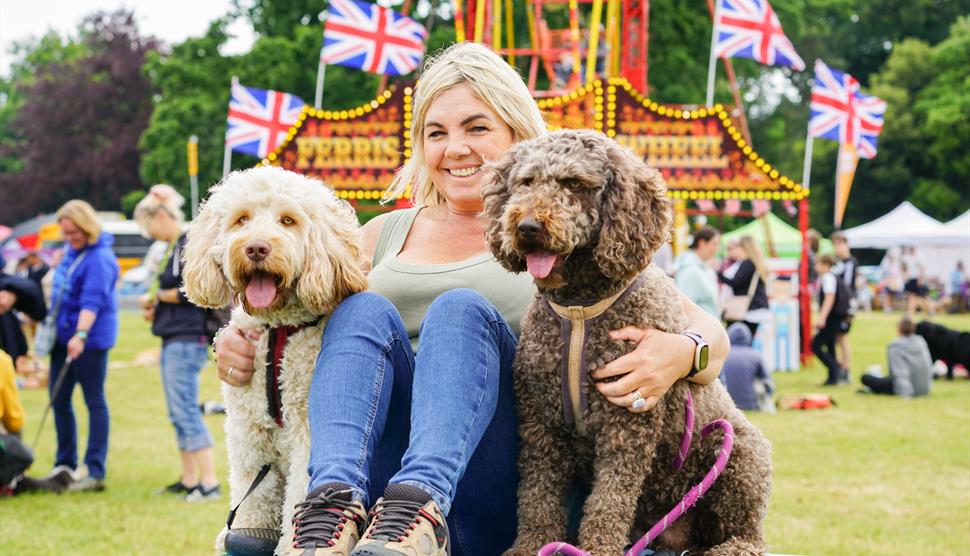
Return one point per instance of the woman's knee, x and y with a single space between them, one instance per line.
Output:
361 310
461 302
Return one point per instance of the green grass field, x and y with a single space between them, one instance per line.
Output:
876 475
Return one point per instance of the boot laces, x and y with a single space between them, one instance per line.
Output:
395 519
320 520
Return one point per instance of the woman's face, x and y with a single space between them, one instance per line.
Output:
161 225
72 234
735 252
460 134
707 249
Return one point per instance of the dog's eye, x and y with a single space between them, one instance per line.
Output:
287 221
242 219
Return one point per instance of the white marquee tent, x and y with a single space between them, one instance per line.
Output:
904 225
938 246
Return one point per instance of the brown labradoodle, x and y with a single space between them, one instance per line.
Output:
584 217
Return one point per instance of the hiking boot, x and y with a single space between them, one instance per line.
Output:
406 521
178 487
328 522
87 484
201 494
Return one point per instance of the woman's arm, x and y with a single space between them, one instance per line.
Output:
662 358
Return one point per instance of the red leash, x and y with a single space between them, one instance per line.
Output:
689 499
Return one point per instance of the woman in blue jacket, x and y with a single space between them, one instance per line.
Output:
87 327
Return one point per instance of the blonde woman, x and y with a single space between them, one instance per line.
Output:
435 432
749 265
185 344
87 327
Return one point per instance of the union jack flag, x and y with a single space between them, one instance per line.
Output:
842 113
259 119
371 38
750 29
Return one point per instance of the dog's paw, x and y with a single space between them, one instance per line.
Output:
221 540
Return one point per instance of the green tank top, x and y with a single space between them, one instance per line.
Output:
412 287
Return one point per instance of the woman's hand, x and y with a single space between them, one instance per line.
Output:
658 361
75 347
235 351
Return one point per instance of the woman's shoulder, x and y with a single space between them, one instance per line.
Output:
371 231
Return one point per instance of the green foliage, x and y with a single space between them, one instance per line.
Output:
73 123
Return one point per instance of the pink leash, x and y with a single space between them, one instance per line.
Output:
689 499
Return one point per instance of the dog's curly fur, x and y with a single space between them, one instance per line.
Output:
604 213
315 261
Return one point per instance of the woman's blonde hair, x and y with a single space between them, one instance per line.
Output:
497 84
753 252
160 197
83 215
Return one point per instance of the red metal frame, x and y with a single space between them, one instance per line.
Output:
635 19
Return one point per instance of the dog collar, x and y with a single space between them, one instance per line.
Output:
574 321
278 338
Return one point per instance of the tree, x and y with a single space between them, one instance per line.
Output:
193 85
79 119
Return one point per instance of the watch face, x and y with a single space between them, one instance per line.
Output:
702 356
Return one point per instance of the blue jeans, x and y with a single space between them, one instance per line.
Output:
181 362
443 421
90 370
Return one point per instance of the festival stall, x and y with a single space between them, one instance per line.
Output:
699 150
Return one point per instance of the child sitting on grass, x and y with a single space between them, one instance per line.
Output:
910 365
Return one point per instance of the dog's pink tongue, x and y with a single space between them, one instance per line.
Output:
540 264
261 291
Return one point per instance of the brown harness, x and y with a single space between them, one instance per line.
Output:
278 338
574 323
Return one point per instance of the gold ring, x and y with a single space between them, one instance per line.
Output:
229 374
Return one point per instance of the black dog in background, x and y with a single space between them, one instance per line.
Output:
951 346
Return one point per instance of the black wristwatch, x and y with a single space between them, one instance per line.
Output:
701 353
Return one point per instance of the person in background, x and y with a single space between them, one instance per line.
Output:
915 287
833 301
958 281
749 266
34 267
23 295
11 410
87 328
890 281
185 344
695 277
744 374
910 365
846 269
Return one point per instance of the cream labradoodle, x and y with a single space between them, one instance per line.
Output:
287 251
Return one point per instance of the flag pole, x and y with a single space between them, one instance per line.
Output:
192 152
321 69
712 61
227 153
321 75
807 168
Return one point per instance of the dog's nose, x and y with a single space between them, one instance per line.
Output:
257 250
529 228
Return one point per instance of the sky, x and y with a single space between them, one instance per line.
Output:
169 20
